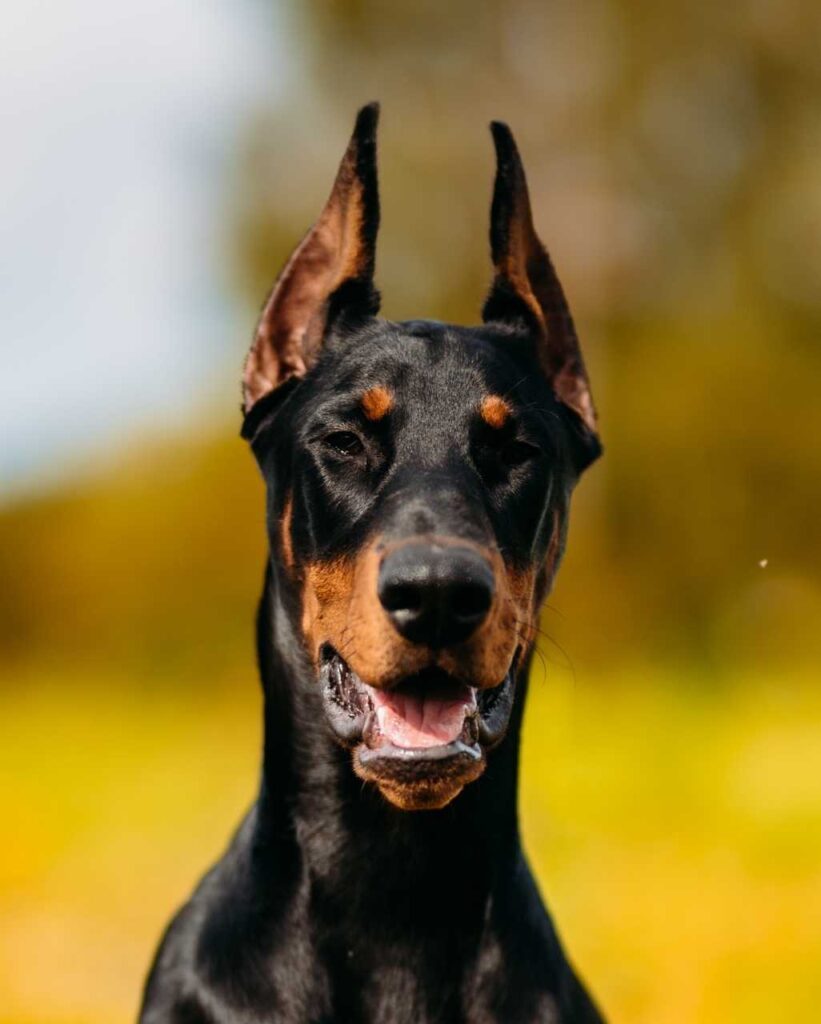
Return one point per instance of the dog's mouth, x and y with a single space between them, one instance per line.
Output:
420 741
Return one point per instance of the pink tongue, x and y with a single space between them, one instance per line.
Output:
407 720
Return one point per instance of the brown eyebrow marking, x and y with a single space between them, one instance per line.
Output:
376 403
495 411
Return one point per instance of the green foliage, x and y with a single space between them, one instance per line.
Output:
154 566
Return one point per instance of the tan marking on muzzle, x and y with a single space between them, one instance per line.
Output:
376 403
341 607
510 624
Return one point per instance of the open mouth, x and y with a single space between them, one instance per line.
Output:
428 734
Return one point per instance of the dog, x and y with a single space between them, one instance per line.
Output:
418 478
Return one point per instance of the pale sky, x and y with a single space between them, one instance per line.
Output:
119 125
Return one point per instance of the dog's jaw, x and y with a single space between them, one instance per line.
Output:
420 743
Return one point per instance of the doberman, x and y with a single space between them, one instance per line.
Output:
418 481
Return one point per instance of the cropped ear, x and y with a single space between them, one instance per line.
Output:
329 274
526 289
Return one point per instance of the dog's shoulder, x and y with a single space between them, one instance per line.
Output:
180 985
240 944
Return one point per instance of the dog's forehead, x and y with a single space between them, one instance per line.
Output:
432 364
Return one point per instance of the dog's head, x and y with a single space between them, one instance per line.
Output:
418 481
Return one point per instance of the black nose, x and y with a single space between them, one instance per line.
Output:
435 595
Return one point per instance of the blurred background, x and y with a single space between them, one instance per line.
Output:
160 162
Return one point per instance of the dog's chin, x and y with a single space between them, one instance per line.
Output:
421 741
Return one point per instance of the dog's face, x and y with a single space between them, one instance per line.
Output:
418 478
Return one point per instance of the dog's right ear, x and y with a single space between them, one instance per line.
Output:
329 275
526 291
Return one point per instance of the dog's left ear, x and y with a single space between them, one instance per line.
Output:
526 290
329 275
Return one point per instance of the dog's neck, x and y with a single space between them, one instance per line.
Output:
342 836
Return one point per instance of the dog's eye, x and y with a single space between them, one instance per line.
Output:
514 453
343 442
498 456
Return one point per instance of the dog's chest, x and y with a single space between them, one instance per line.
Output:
395 986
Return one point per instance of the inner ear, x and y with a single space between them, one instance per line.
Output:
329 276
526 290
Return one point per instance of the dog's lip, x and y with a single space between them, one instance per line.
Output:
387 751
352 711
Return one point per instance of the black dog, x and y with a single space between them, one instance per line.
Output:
418 478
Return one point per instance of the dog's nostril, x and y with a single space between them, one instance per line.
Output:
471 601
402 597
